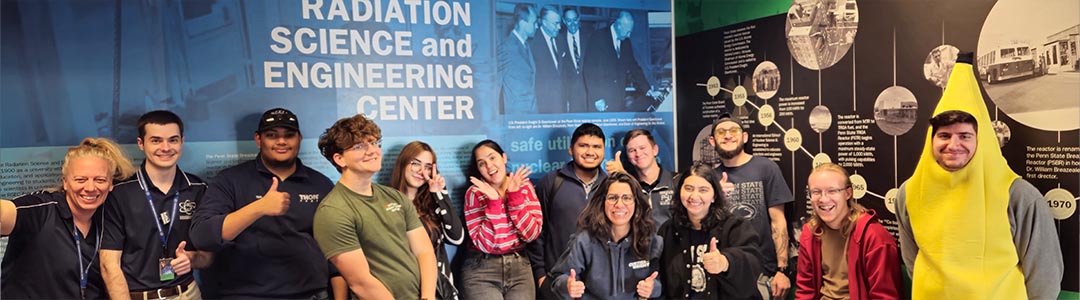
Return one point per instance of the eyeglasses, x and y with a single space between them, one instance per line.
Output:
615 199
726 132
417 166
365 146
815 194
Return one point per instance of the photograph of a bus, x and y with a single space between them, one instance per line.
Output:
1009 62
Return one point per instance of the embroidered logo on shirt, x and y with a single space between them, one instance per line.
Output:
639 264
665 197
187 207
309 198
393 207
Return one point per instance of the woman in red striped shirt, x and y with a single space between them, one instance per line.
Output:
502 214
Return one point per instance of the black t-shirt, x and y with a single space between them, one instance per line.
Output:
129 226
41 261
699 244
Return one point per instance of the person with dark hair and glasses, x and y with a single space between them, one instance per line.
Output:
616 254
416 174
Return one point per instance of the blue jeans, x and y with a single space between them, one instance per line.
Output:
496 277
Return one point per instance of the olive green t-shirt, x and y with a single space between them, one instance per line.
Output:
347 221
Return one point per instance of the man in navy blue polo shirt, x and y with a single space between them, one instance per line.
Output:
144 251
257 216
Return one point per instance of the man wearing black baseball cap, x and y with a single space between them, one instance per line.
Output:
756 191
257 218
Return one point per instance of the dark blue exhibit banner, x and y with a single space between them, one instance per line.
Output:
422 69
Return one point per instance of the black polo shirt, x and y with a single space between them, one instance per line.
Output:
41 261
275 257
130 228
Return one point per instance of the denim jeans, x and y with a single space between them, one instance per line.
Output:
497 277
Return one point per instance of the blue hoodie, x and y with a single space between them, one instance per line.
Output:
610 270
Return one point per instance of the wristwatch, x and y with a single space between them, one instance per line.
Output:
782 269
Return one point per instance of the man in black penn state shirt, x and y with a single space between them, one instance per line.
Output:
257 219
145 251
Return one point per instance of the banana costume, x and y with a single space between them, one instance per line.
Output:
960 218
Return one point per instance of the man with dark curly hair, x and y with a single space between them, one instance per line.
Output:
359 225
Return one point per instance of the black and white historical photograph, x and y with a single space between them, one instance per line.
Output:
895 110
1028 62
939 64
820 32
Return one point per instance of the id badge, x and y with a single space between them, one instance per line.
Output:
165 270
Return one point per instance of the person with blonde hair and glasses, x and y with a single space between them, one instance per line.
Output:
55 234
416 174
844 252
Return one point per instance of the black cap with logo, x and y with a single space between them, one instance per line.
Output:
278 117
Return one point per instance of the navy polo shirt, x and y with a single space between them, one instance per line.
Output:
275 257
41 260
130 228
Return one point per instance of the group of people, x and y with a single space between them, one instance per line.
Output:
273 228
551 70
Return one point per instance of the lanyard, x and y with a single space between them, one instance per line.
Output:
78 254
162 234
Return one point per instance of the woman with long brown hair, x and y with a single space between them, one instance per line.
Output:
502 214
416 175
616 254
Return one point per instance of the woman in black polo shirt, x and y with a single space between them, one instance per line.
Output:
54 234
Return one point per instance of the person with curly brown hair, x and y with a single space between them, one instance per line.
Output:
371 232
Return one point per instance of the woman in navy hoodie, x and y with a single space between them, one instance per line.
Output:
616 253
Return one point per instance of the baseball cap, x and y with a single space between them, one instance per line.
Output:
726 117
278 117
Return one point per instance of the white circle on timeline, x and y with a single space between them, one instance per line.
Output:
821 158
792 139
766 115
713 86
890 200
858 187
738 95
1062 203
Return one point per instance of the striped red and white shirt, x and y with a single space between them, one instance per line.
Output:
501 226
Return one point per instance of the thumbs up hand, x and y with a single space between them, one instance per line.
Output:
645 286
182 263
576 288
714 261
727 186
274 203
614 165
